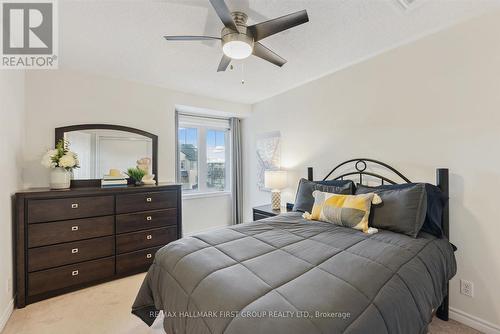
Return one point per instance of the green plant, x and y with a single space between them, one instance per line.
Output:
136 174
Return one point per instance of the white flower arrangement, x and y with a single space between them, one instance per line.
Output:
61 156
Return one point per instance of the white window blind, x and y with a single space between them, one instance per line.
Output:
201 121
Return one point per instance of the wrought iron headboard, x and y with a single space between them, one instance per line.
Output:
360 168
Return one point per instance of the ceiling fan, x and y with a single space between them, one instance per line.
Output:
239 41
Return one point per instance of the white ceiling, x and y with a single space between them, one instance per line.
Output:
123 39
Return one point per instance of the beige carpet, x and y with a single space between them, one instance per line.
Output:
105 309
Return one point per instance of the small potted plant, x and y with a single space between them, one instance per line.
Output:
136 174
61 161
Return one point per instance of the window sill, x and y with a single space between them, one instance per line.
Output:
195 195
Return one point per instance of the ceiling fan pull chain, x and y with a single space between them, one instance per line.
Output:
242 73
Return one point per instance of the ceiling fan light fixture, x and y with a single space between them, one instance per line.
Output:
236 45
237 49
239 40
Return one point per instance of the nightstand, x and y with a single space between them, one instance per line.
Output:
265 211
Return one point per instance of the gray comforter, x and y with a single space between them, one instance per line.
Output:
288 275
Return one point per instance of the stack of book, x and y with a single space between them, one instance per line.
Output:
109 181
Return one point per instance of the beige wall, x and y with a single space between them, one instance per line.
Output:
433 103
59 98
204 214
11 141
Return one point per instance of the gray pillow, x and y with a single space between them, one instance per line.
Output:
304 199
402 210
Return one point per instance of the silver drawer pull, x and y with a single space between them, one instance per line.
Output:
74 228
149 237
74 251
148 218
149 199
74 206
149 255
74 273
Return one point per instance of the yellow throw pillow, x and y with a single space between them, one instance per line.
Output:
344 210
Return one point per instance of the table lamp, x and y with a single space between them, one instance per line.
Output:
275 180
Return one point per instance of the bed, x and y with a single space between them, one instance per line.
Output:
289 275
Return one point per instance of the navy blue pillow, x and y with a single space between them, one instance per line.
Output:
436 201
304 199
339 183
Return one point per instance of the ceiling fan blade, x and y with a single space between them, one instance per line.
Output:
224 63
189 38
261 51
274 26
224 14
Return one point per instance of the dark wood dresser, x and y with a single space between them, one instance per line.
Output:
70 239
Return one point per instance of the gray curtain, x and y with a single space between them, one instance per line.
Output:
237 172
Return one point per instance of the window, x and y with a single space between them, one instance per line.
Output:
216 159
188 157
203 154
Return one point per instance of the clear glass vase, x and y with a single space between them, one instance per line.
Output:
60 178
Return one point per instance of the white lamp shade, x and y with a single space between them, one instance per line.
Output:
275 179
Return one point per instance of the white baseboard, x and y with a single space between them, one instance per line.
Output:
6 314
474 322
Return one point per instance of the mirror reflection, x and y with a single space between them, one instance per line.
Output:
100 150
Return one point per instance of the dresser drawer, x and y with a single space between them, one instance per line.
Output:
145 220
136 261
146 201
71 275
69 208
69 230
71 252
145 239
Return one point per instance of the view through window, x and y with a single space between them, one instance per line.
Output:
188 157
203 148
216 159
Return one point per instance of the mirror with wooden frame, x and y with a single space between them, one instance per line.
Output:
101 147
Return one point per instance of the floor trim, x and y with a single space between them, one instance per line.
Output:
474 322
6 314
